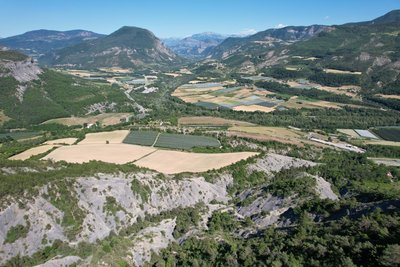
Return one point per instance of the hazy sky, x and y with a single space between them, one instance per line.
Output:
180 18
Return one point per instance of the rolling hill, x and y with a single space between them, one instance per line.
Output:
127 47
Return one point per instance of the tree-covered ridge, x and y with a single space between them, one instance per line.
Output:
55 95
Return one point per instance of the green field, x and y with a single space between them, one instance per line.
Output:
19 135
144 138
389 134
181 141
166 140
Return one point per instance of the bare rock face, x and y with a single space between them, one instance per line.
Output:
272 206
152 239
275 163
108 203
60 261
23 71
324 189
40 219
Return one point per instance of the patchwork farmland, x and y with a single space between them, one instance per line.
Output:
122 147
215 95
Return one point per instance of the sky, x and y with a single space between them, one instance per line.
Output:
181 18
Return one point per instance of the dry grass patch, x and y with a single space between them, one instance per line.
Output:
111 153
349 132
62 141
32 152
296 103
334 71
172 162
211 121
278 134
389 96
115 137
104 119
254 108
3 117
116 70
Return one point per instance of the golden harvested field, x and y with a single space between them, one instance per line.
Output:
211 121
62 141
294 102
172 162
254 108
111 153
116 70
32 152
349 132
105 119
333 71
389 96
115 137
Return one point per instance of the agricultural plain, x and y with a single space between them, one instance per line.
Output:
109 147
215 95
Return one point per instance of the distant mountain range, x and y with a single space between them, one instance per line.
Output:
39 42
264 40
363 45
195 46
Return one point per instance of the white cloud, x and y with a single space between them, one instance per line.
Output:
280 25
247 31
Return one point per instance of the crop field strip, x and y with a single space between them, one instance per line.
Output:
388 134
19 135
166 140
144 138
180 141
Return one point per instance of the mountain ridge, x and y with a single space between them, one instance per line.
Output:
38 42
126 47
